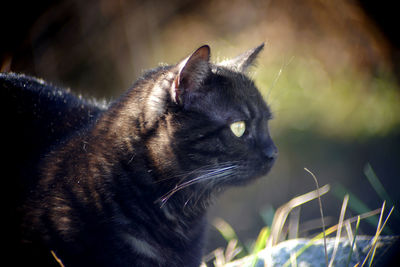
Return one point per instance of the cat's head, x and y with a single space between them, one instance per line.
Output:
213 129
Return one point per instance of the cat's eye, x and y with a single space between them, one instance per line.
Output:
238 128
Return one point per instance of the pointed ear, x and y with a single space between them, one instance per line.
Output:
192 72
243 61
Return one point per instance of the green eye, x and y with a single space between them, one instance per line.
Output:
238 128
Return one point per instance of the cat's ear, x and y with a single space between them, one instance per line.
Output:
192 71
243 61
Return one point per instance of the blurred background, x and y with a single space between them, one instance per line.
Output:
330 72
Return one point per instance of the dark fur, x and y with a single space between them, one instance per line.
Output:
128 184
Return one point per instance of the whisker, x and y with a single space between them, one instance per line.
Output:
216 173
283 66
203 169
209 175
211 184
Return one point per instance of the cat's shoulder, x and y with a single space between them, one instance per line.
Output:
27 89
20 80
41 113
17 85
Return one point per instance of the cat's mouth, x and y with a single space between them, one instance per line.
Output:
253 169
246 174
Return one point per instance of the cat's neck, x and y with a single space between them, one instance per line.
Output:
138 110
121 128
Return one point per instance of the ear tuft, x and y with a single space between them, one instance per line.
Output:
243 61
192 72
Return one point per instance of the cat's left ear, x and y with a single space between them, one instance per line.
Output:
192 72
243 61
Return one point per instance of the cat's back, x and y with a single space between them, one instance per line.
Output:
37 116
40 107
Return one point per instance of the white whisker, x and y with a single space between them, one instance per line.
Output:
204 175
284 65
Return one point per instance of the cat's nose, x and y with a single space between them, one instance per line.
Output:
270 152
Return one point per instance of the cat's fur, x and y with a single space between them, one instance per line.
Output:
128 184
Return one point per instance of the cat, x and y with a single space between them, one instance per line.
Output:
128 183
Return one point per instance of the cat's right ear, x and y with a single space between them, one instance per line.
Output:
242 62
192 71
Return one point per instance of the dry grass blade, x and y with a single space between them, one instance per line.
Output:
322 214
225 229
349 231
379 230
57 258
339 231
353 243
294 222
260 244
232 250
282 212
219 257
331 230
293 260
234 246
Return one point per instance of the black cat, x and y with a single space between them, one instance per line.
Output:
128 184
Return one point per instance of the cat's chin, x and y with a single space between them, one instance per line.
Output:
264 169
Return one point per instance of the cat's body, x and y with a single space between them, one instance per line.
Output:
128 184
